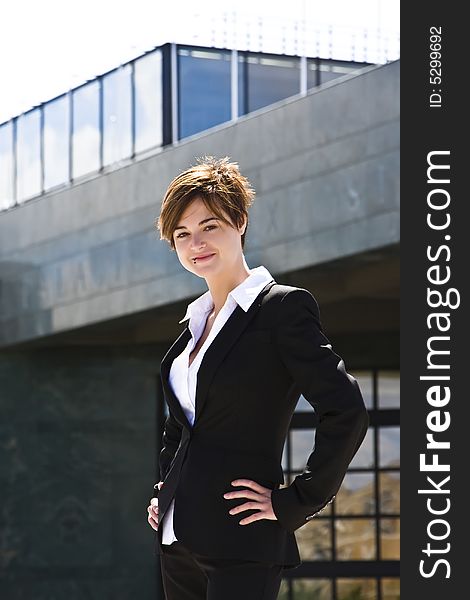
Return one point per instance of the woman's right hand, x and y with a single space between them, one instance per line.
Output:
152 510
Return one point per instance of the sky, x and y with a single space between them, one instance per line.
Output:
50 46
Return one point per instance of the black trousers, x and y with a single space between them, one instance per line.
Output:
189 576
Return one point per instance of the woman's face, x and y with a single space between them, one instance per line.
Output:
200 235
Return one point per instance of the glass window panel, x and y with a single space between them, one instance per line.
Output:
365 381
364 458
355 539
6 166
389 389
86 130
29 155
284 590
390 589
390 539
117 124
204 89
315 540
357 589
302 444
263 80
303 405
148 101
56 142
389 492
356 495
312 589
285 461
389 446
332 69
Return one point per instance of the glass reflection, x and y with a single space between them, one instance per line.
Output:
389 446
390 539
312 589
365 382
390 589
314 540
364 457
285 457
389 389
284 590
357 589
204 92
29 153
6 166
389 491
356 495
302 444
264 79
56 142
355 539
148 101
117 125
86 130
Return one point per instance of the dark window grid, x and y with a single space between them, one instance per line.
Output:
291 473
375 388
336 585
349 572
366 569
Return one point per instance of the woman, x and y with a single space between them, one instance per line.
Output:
250 347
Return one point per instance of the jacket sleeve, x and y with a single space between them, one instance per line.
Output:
336 398
170 442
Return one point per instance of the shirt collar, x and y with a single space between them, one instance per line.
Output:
244 294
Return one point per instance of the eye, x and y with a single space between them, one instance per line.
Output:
183 234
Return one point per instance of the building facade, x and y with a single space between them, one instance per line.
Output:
90 300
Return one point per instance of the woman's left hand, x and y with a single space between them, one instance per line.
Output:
260 499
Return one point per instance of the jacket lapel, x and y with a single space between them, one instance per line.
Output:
221 345
214 355
175 350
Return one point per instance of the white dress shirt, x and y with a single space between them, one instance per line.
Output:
183 377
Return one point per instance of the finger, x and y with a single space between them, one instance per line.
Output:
246 506
153 510
154 501
251 484
255 517
243 494
153 523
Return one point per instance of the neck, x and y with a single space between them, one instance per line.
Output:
223 284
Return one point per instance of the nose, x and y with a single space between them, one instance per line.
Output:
197 241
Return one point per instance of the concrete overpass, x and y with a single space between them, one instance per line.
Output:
84 264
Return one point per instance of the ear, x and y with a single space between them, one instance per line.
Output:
243 226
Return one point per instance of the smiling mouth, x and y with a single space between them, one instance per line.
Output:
202 258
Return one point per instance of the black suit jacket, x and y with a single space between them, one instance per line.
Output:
249 382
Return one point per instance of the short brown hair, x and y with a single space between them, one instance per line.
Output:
220 185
